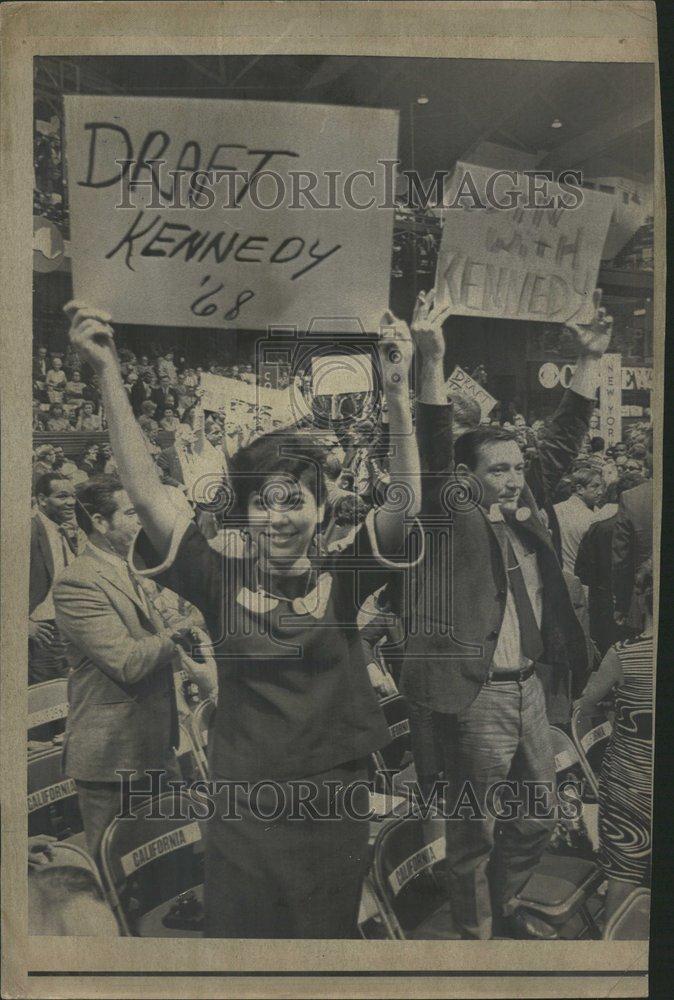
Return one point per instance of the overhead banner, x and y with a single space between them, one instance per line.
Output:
230 214
460 381
524 262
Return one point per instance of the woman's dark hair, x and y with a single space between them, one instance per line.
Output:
292 455
96 496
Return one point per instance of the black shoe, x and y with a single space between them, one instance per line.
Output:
525 925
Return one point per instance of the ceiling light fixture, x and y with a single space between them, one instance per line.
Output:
422 99
555 123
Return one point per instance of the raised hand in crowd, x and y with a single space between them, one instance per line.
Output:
592 341
427 321
594 337
92 335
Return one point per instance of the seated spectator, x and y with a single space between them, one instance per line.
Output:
106 462
162 396
38 424
55 380
191 378
166 367
66 467
88 419
146 419
65 901
130 381
44 458
89 460
92 393
169 422
40 365
182 393
75 388
141 390
57 419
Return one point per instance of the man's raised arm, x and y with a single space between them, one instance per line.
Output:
92 336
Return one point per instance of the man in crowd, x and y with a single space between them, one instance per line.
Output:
53 546
493 641
632 546
166 368
576 514
593 567
40 365
121 693
141 390
146 419
163 396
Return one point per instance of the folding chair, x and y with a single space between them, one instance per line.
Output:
591 737
66 854
153 869
191 759
395 760
47 708
631 921
200 724
53 807
407 883
563 887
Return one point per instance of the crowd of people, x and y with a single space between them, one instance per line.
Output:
249 531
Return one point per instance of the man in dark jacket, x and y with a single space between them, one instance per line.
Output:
632 545
494 644
593 569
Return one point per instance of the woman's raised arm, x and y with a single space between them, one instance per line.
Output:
92 336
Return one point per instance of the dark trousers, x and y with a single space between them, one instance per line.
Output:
283 877
503 735
101 801
47 664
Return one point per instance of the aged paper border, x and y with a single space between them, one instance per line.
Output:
39 967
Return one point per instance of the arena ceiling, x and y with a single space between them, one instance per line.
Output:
605 109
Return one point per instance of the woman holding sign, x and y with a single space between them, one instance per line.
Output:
286 849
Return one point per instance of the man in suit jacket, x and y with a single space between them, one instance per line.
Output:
163 396
594 566
141 390
494 643
632 545
53 545
123 713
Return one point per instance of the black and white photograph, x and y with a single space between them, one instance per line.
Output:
342 547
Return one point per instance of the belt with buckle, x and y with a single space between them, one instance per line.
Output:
512 675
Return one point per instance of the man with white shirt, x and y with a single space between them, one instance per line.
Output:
576 514
494 646
53 546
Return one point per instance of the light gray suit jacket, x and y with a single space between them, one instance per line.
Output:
121 695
